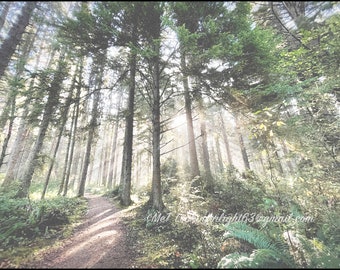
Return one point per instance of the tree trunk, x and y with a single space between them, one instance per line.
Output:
73 140
226 140
190 127
4 13
219 154
125 182
98 70
9 45
52 101
61 130
206 159
113 150
9 132
103 163
68 157
75 168
157 202
74 126
156 191
13 163
242 145
66 161
12 95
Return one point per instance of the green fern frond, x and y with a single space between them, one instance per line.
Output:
268 251
251 235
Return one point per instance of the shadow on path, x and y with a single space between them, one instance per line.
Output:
99 242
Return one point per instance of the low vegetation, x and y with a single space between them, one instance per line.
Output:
28 225
222 230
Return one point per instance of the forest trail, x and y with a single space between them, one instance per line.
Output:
99 242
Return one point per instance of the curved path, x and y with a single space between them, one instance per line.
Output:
99 242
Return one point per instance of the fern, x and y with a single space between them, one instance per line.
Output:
268 253
235 260
255 237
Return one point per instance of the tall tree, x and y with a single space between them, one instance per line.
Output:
196 38
187 25
9 45
152 26
15 83
64 113
73 133
125 181
53 89
97 74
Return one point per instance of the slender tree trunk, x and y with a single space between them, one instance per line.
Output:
106 164
18 145
157 202
15 160
70 163
75 168
242 145
113 151
116 172
156 191
52 101
206 159
226 140
219 154
4 13
125 183
9 45
103 163
61 130
9 132
190 127
74 126
12 95
81 189
98 72
66 160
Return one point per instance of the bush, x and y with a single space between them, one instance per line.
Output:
22 220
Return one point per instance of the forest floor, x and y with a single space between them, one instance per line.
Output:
100 241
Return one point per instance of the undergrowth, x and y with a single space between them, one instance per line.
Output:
26 224
243 223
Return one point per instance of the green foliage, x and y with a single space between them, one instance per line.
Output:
23 220
268 253
243 192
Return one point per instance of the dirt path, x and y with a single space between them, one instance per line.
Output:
99 242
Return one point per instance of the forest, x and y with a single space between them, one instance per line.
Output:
214 125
